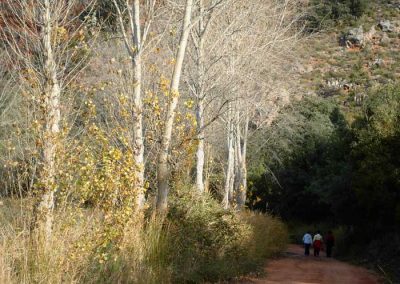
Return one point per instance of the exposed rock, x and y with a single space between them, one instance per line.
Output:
334 86
337 84
377 62
395 4
334 83
386 26
359 98
348 86
354 38
385 39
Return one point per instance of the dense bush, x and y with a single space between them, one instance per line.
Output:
344 172
107 14
208 241
327 13
212 244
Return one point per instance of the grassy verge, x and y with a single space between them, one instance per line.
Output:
197 241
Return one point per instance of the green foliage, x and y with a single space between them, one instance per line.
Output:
342 172
304 145
206 239
327 13
336 173
326 163
107 14
269 235
376 158
211 244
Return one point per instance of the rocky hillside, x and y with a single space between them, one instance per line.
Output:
347 60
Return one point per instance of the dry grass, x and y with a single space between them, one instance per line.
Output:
146 253
269 235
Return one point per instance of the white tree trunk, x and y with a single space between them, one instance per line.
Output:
242 190
200 148
133 44
230 171
138 104
163 170
52 125
200 102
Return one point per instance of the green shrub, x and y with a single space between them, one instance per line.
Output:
327 13
380 252
212 244
209 243
269 235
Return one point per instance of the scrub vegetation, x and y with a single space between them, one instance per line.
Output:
123 138
331 161
147 141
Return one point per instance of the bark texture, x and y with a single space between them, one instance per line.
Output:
134 45
241 191
200 156
138 104
230 168
52 117
163 170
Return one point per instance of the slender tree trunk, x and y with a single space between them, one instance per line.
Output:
208 167
138 105
52 125
238 150
163 170
138 135
200 148
133 44
200 102
242 191
230 176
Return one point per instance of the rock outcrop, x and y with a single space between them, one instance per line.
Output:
354 38
386 26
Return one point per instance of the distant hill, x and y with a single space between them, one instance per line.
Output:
351 54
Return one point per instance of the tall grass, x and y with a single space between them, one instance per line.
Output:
198 241
269 235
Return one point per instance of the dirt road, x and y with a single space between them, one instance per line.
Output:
295 268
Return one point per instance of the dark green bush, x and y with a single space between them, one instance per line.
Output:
107 14
210 243
327 13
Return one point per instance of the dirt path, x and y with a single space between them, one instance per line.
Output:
295 268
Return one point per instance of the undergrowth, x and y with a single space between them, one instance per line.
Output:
196 241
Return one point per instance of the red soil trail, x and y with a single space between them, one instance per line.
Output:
295 268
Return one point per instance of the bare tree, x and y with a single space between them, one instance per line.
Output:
206 52
163 170
135 33
270 28
46 41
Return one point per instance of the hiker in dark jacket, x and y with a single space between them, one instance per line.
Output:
329 243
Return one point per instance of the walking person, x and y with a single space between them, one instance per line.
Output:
329 243
317 243
307 241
